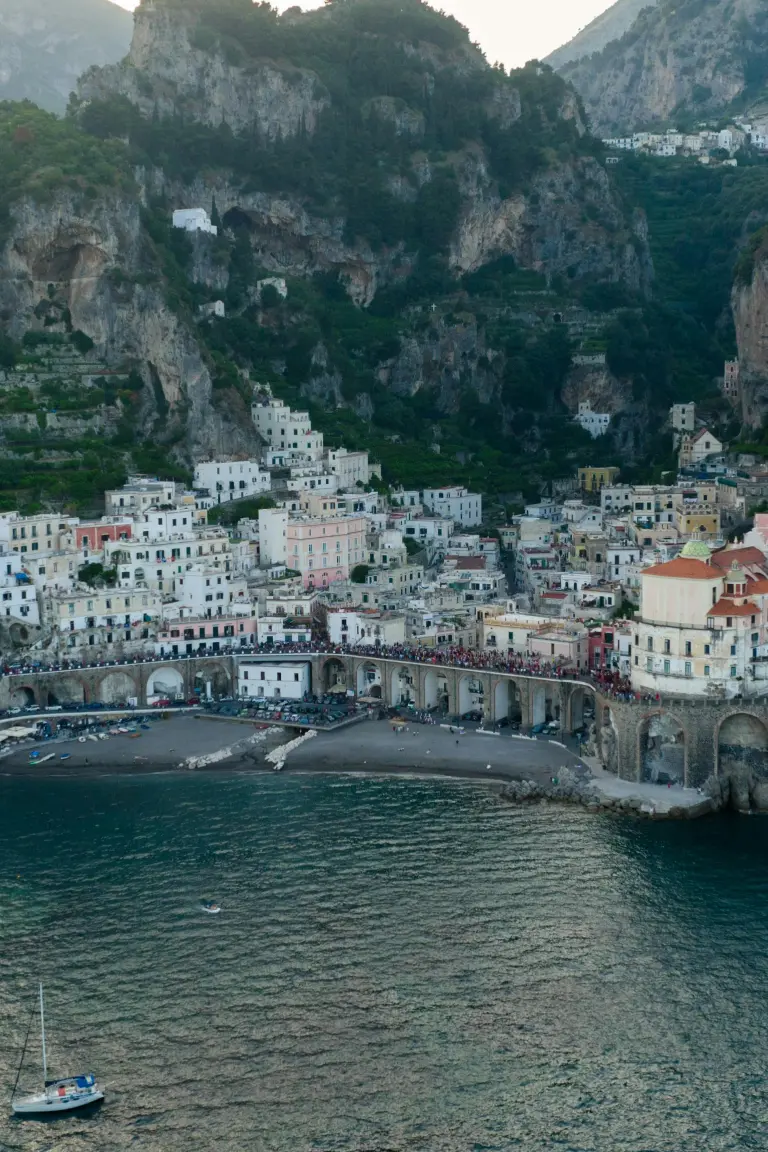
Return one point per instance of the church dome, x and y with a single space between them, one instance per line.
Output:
696 550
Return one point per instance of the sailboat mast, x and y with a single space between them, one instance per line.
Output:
42 1032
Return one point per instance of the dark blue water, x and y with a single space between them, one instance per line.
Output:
399 964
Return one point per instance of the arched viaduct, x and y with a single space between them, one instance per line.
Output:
675 739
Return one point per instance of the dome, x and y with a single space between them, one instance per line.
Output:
696 550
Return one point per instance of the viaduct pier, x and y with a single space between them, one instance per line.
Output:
685 740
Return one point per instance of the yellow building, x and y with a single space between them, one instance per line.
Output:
702 519
592 479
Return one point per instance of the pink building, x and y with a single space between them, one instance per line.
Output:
325 550
92 536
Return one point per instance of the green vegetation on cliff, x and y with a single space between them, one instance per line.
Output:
40 156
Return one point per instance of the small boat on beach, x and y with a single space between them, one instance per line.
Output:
211 906
57 1095
43 759
65 756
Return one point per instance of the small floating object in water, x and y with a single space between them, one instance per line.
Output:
211 906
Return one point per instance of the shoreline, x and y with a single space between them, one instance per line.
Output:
525 770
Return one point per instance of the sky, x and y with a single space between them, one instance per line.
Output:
511 31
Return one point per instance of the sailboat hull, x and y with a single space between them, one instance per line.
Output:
45 1105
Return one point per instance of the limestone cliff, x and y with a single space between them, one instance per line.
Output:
692 57
88 265
608 26
750 314
167 74
182 70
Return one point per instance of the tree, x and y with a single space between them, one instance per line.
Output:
359 574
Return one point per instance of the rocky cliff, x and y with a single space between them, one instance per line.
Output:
76 264
608 26
434 220
682 58
45 45
750 314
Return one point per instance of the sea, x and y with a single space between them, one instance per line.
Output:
399 964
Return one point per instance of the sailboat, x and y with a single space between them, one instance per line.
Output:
57 1095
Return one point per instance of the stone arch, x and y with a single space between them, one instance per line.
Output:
164 682
662 749
369 680
117 687
402 685
218 676
437 693
605 739
335 678
471 693
742 745
22 696
507 702
66 690
581 707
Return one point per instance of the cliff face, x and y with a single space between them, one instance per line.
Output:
166 75
609 25
750 314
382 182
683 56
178 71
45 45
89 262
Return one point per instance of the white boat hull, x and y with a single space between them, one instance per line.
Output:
43 1105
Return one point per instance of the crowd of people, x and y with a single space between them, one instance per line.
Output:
609 682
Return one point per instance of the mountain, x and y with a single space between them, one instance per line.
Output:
609 25
448 234
45 45
680 61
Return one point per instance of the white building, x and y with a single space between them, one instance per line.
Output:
273 532
682 417
365 627
456 503
194 220
18 595
352 468
139 494
694 450
263 679
232 479
285 430
595 423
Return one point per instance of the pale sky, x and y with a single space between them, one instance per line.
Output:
512 31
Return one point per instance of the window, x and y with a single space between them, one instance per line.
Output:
688 668
666 646
666 667
706 669
733 649
707 649
650 643
729 621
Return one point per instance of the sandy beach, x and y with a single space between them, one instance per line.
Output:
374 746
186 742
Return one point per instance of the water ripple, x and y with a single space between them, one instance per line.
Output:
399 965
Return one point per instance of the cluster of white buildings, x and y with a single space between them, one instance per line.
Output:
154 576
703 145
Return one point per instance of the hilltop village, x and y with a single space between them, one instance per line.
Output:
634 585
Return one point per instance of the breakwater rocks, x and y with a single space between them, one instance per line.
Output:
611 795
738 791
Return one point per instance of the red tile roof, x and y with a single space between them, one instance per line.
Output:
728 608
683 568
469 563
726 556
